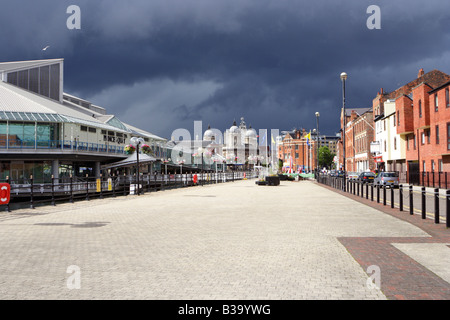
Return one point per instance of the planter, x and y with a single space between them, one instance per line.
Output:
273 181
261 183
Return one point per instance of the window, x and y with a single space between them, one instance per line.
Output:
423 138
424 168
440 165
407 143
394 120
447 98
432 165
92 130
395 143
384 146
436 102
415 142
420 108
428 135
448 135
83 128
398 118
437 134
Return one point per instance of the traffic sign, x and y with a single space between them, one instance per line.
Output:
5 193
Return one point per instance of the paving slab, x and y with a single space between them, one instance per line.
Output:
227 241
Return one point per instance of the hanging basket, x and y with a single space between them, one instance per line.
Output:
129 149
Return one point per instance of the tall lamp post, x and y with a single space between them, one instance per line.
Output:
317 143
136 142
201 151
344 78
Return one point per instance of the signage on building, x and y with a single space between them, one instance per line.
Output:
5 193
375 147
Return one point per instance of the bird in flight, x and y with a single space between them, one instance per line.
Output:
45 48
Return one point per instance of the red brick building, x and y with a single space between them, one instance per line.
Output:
422 113
295 146
359 133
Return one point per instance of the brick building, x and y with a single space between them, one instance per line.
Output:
422 122
359 133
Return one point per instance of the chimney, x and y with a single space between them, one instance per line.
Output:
421 73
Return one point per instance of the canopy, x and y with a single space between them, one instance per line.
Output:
131 161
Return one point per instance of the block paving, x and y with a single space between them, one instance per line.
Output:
237 240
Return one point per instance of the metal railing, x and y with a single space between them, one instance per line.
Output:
60 144
429 202
74 188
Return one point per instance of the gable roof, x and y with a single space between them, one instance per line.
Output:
433 79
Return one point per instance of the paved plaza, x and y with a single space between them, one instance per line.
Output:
237 240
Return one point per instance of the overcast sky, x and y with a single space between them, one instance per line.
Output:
162 64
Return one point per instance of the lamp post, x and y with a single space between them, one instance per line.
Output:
317 143
136 142
201 151
343 79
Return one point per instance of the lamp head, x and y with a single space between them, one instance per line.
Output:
136 141
343 76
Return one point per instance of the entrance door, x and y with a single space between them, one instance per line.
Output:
414 173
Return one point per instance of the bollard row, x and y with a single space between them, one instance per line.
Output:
356 188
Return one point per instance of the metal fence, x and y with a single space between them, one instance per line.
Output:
428 202
74 188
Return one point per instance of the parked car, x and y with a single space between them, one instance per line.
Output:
386 179
332 173
340 173
366 177
353 175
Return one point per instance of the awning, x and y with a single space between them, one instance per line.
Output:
131 161
378 159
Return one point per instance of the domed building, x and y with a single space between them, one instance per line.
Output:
240 143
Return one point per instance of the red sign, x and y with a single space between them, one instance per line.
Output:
5 191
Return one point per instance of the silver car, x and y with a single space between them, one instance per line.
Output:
386 179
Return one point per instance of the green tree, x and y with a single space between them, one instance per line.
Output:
325 157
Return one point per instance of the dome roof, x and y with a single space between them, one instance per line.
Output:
234 128
251 133
209 134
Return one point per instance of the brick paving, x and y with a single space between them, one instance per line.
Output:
299 240
407 263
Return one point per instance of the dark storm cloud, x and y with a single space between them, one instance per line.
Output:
275 62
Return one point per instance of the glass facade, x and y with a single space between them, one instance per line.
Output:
27 134
20 172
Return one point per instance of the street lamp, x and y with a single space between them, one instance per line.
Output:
201 151
343 79
317 144
136 142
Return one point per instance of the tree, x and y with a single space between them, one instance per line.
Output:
325 157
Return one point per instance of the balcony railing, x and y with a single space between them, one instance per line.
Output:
60 144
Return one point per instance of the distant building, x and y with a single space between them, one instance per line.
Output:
302 148
359 133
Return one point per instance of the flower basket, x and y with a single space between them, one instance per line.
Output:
129 149
146 149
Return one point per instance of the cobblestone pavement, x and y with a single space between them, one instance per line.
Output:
236 240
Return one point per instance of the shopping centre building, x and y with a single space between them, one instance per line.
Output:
46 132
